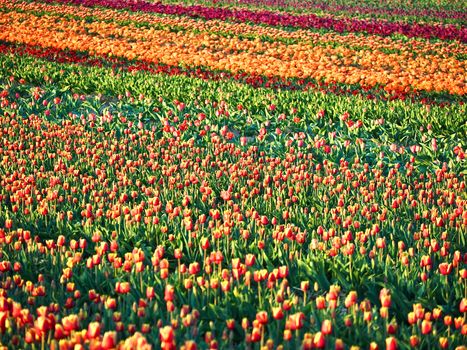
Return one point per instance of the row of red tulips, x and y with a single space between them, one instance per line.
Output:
311 21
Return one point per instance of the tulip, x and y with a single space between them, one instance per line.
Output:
384 312
326 327
255 335
277 313
445 268
42 324
262 317
414 341
169 293
8 224
150 293
94 330
426 327
287 335
350 299
111 303
250 260
166 334
319 341
295 321
3 321
109 340
443 342
320 303
463 306
122 287
230 324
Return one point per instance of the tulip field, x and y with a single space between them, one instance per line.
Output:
253 174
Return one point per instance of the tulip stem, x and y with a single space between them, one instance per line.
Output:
262 336
178 261
259 294
277 331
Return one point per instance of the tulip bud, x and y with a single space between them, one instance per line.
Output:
326 327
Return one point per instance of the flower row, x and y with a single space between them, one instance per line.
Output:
256 81
245 30
338 24
396 72
384 10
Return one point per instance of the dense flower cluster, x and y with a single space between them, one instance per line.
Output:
383 9
379 27
189 177
254 80
244 228
398 72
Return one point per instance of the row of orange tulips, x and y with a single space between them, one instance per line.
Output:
367 42
397 72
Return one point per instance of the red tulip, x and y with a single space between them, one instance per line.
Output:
445 268
94 330
287 335
150 293
437 313
443 342
319 341
463 305
414 341
166 334
326 327
262 317
339 344
61 241
230 324
384 312
59 332
255 335
277 313
458 322
320 303
426 327
70 323
42 324
8 224
169 293
412 319
295 321
264 220
250 260
109 340
3 319
283 271
351 299
386 300
205 243
111 303
122 287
